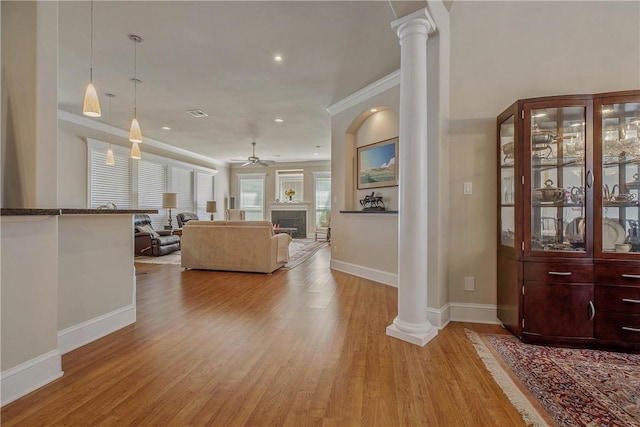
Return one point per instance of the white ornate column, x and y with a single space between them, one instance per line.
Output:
412 324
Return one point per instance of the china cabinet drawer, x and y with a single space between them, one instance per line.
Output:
550 272
617 327
618 274
617 299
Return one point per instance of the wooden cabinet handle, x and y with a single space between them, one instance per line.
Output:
593 310
560 273
631 276
633 301
629 328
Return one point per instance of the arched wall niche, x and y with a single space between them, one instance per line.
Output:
368 128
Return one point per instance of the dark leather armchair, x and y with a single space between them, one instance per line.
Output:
153 242
184 217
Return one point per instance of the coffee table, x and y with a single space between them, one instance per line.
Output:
287 230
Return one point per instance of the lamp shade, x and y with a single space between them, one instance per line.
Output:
169 200
211 206
110 159
135 151
135 134
91 106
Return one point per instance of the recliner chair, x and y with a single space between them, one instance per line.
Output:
151 242
184 217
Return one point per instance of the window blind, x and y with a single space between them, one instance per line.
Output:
152 182
204 185
109 184
252 198
182 185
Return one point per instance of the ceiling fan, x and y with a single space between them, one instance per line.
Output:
255 161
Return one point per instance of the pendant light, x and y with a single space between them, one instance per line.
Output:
110 160
135 134
91 105
135 151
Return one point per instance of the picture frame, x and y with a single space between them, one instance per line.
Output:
378 164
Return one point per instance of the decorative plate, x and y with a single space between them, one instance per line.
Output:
612 234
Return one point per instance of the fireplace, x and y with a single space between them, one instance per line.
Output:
291 219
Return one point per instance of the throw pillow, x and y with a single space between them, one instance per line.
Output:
147 229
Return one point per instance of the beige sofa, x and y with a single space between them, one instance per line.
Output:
250 246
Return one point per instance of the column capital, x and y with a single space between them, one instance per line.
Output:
420 21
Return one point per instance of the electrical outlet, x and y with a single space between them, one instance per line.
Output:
469 283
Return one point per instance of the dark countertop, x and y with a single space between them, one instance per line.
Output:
72 211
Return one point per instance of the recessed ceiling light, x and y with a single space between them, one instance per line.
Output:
316 154
278 120
374 110
165 128
278 58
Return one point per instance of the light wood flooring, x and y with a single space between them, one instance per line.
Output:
305 347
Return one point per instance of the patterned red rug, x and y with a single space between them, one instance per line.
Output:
574 387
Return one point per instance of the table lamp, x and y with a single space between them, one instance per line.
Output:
211 207
169 200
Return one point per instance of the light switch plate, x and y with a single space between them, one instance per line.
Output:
467 188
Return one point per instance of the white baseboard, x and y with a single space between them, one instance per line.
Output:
30 375
93 329
474 313
380 276
439 317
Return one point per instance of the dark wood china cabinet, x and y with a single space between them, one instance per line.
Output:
569 220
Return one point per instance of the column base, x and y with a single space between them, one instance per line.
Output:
417 335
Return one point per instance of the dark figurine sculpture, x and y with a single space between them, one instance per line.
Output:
372 203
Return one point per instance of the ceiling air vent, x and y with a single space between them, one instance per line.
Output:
197 113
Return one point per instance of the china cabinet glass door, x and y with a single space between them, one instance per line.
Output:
620 172
558 193
507 176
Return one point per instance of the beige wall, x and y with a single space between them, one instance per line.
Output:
72 173
309 168
503 51
29 288
365 240
29 103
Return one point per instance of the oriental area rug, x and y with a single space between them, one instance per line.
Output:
300 250
562 386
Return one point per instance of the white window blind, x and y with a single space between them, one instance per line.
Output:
152 182
109 184
182 185
252 197
204 185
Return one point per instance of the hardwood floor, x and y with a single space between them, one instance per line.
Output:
305 347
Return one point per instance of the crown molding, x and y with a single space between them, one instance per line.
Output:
103 127
367 92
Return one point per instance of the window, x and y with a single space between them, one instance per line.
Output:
152 182
323 196
290 185
252 195
204 185
109 184
139 184
182 185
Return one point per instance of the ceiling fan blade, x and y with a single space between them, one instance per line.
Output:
246 164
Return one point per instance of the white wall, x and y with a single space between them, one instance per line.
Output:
504 51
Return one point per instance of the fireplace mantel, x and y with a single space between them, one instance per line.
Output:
289 206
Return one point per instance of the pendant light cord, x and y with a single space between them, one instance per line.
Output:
135 79
91 46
